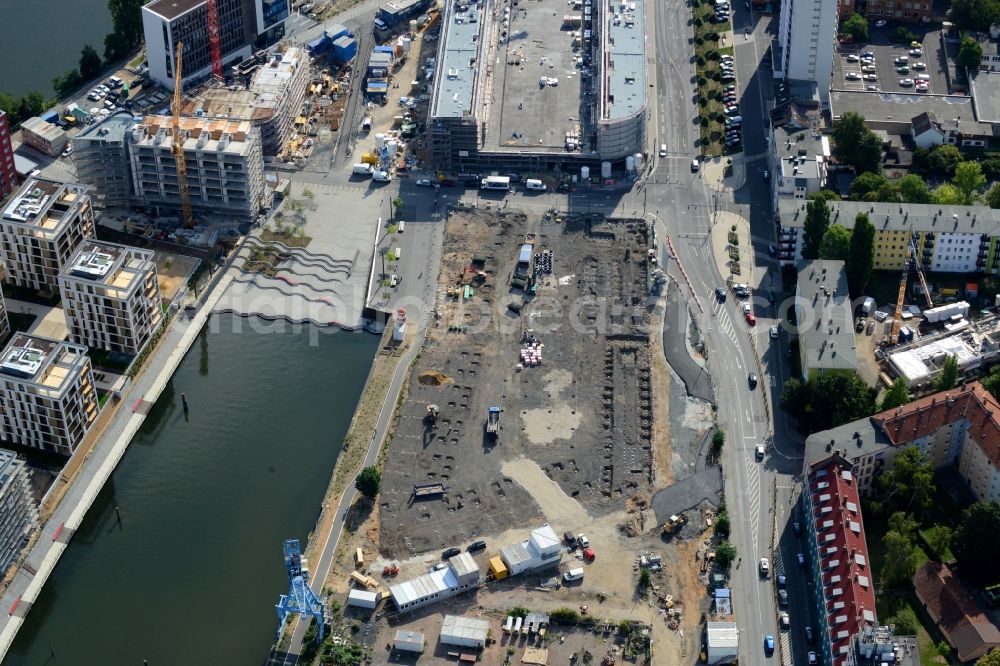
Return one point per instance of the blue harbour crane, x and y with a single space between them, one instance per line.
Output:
300 600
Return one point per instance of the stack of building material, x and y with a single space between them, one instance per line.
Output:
531 354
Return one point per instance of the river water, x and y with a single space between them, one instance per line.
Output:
41 40
193 572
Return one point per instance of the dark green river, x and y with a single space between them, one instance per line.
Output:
192 574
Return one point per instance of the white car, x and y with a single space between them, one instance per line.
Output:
773 332
873 88
919 65
765 566
922 88
916 52
747 308
424 182
922 77
906 83
881 23
695 165
871 77
852 58
852 76
869 69
583 541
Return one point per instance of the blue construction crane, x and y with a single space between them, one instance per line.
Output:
300 600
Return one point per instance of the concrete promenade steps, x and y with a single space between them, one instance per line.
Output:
301 255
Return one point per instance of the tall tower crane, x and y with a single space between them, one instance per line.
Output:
182 181
897 320
300 600
213 40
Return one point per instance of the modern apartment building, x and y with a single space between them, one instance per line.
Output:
4 322
111 297
48 400
838 567
225 166
8 172
40 229
18 510
806 34
824 318
271 101
241 24
799 159
100 153
958 239
959 428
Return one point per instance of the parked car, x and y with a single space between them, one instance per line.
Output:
852 58
695 165
922 88
583 541
759 452
477 546
870 77
784 621
906 83
769 645
570 539
797 528
780 581
782 597
868 54
919 65
751 319
812 658
881 23
916 52
450 553
773 332
809 635
852 76
589 554
801 559
765 567
752 381
424 182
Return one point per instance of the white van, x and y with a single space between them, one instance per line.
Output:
382 176
534 184
362 169
663 150
401 226
398 252
572 575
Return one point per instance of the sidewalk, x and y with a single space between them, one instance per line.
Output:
740 270
98 464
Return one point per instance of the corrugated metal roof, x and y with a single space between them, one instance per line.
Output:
423 586
461 627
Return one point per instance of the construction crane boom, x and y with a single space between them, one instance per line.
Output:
920 274
182 182
897 320
213 40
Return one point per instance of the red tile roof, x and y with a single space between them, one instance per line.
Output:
951 606
927 415
842 552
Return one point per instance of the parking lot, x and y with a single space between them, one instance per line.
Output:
884 74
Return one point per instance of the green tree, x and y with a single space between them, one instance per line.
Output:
991 658
67 82
825 195
725 554
900 562
21 108
368 482
861 260
975 15
796 398
827 401
991 382
856 26
115 47
816 224
723 524
90 63
126 17
977 539
948 376
969 180
644 579
913 189
865 184
906 623
970 54
907 486
939 540
855 144
718 441
897 395
993 196
944 158
836 243
947 195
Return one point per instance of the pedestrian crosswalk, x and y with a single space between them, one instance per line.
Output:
753 488
723 321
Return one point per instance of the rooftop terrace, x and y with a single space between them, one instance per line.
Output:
40 361
44 204
458 64
625 74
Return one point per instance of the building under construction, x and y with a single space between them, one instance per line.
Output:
270 99
542 85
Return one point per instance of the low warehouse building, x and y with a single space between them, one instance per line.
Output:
364 598
408 641
541 549
464 631
722 643
461 575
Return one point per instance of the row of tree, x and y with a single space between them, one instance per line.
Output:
966 188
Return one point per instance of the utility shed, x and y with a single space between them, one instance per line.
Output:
464 631
364 598
723 641
408 641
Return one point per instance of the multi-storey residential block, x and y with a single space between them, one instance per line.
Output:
40 229
824 316
241 23
4 322
959 239
100 153
271 101
900 11
838 567
8 171
111 297
806 33
225 165
799 160
959 428
18 510
48 400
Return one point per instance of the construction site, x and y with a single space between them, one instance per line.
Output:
543 319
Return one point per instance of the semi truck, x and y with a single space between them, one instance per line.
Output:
493 422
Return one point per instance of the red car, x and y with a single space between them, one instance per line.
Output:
588 554
751 319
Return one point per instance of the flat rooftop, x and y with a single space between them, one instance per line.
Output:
458 58
206 134
108 264
44 204
899 107
112 128
985 89
626 44
256 103
40 361
171 9
538 78
900 217
824 316
43 128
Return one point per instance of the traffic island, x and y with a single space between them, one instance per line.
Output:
732 248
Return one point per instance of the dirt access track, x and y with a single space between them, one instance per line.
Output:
583 412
